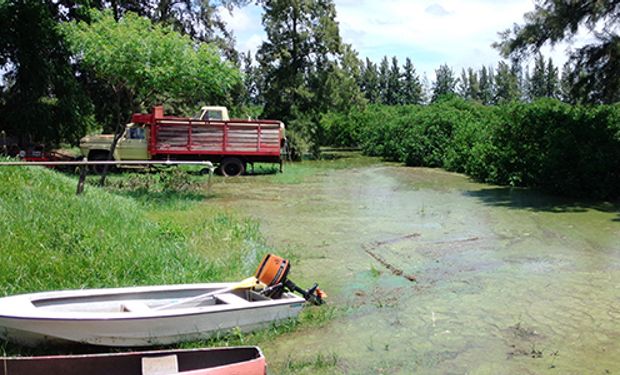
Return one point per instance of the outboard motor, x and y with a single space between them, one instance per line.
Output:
273 272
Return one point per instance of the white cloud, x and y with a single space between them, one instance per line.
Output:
430 32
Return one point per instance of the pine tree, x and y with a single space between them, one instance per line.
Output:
487 89
370 82
445 83
463 89
538 80
552 80
411 87
473 85
595 65
250 79
517 71
384 79
393 84
506 85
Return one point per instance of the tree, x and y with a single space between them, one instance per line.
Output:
147 64
370 82
302 50
411 90
445 82
43 100
251 80
463 84
538 80
201 20
595 66
506 84
487 86
392 95
384 79
552 80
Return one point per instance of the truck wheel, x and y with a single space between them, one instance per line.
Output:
100 156
232 167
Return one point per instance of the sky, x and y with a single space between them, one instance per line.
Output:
430 32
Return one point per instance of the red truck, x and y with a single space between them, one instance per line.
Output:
210 136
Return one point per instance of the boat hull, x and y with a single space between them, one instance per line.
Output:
215 361
64 317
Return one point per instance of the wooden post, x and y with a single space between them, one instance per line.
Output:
80 186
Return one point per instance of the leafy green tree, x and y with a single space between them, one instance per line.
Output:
201 20
487 86
411 90
445 83
506 84
147 64
370 82
43 100
595 66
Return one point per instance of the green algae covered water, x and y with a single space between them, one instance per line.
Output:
430 273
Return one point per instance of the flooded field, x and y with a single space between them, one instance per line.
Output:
430 273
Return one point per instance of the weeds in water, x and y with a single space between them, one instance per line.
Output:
374 272
319 362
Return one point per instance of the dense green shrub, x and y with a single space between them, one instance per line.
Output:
547 144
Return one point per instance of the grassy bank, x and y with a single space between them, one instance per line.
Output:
52 239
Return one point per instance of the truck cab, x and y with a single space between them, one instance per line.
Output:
133 144
211 113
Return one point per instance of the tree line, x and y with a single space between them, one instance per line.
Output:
70 67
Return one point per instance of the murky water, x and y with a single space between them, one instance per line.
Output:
508 281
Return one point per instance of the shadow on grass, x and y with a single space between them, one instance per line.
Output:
262 170
517 198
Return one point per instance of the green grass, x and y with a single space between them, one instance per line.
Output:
141 229
52 239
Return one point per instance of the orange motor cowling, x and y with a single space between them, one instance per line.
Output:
273 270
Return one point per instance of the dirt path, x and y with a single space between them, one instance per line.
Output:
499 281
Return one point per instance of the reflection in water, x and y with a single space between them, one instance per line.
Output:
508 281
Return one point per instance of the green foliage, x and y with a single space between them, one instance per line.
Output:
595 66
549 145
55 240
307 70
506 84
43 100
445 83
151 64
411 90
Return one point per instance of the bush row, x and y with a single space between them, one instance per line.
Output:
547 144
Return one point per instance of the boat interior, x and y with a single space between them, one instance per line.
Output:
148 301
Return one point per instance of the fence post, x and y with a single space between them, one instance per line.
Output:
82 179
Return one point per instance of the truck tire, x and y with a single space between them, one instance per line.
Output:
232 167
99 156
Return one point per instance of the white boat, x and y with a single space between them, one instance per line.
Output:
139 316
